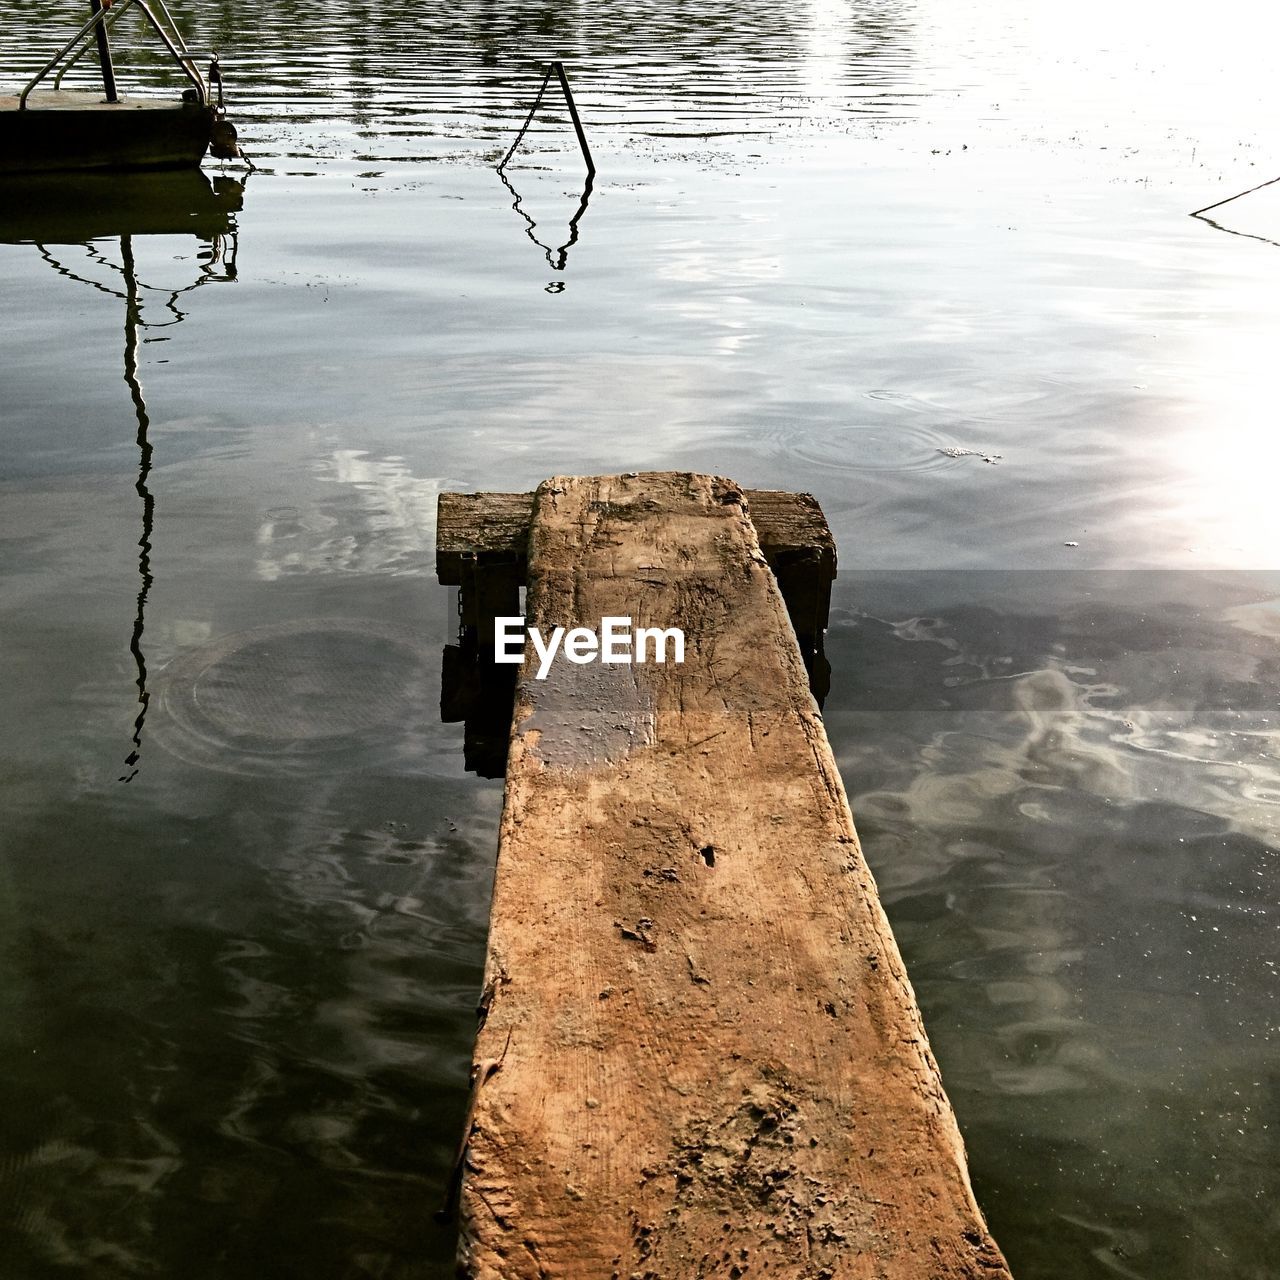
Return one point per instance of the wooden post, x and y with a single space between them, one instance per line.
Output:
700 1054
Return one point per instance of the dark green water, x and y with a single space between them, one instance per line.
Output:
930 262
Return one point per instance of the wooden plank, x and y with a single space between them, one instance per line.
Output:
801 552
701 1054
480 529
476 529
791 525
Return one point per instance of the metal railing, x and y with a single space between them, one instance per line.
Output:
107 17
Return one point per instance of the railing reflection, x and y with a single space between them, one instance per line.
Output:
85 211
557 258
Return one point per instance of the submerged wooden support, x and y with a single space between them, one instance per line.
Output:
700 1054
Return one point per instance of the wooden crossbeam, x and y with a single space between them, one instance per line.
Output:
479 535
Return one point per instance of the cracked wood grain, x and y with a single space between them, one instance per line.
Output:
714 1062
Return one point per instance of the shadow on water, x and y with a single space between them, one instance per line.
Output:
278 1014
59 212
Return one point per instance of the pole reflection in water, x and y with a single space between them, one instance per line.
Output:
133 317
556 258
81 211
1246 235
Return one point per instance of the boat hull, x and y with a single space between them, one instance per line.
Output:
78 131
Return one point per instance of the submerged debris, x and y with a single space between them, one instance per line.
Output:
954 451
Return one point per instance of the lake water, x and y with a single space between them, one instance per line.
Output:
928 260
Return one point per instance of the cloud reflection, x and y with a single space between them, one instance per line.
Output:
381 520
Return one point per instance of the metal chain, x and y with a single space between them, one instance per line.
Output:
546 80
472 569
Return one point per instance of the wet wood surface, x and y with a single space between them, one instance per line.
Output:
700 1055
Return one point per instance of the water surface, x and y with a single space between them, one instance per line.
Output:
930 262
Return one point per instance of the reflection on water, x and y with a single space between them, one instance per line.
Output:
929 261
430 69
247 1064
1231 231
81 211
73 209
557 257
1067 784
373 517
132 320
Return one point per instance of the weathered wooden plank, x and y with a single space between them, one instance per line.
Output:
478 529
790 525
798 545
701 1054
